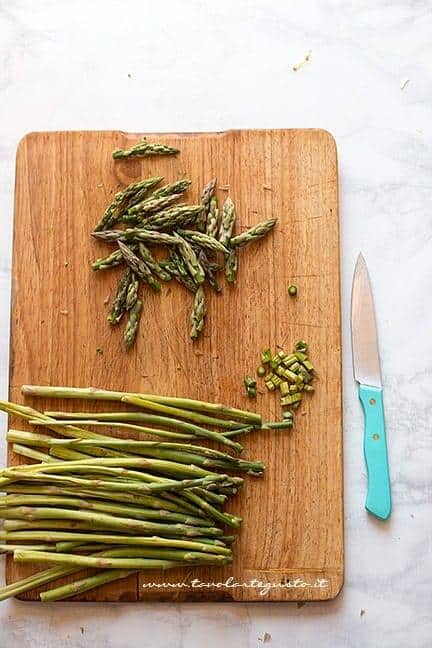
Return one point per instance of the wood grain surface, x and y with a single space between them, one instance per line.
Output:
293 517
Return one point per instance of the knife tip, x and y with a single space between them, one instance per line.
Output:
360 258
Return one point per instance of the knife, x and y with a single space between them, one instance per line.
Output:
367 372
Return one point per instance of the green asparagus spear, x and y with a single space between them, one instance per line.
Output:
137 234
205 201
201 239
152 263
254 233
210 269
139 267
118 307
132 292
173 217
110 261
198 314
212 218
92 393
104 563
227 223
84 584
117 539
35 580
176 269
191 261
122 200
151 205
144 148
231 266
98 520
178 187
131 329
113 508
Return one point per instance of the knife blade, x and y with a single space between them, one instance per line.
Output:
367 372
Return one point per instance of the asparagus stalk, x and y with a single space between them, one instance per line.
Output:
95 519
110 261
202 239
102 562
212 218
66 547
178 187
175 266
152 264
31 453
198 314
182 453
118 307
164 502
210 270
173 451
92 393
209 496
63 427
144 149
145 463
162 553
150 205
122 200
253 234
117 539
205 201
227 222
29 413
132 292
131 329
198 431
129 486
10 548
137 235
118 417
231 266
84 584
173 217
67 454
36 580
191 261
64 524
116 509
138 266
213 512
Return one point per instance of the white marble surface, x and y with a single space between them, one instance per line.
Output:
206 65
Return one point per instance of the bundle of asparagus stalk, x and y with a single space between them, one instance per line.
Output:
199 242
119 506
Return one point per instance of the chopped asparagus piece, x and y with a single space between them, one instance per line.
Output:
266 356
300 356
250 384
284 389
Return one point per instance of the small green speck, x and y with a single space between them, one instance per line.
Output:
292 290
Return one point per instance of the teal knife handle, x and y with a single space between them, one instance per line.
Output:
378 500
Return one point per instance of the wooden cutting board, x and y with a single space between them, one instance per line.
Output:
293 517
